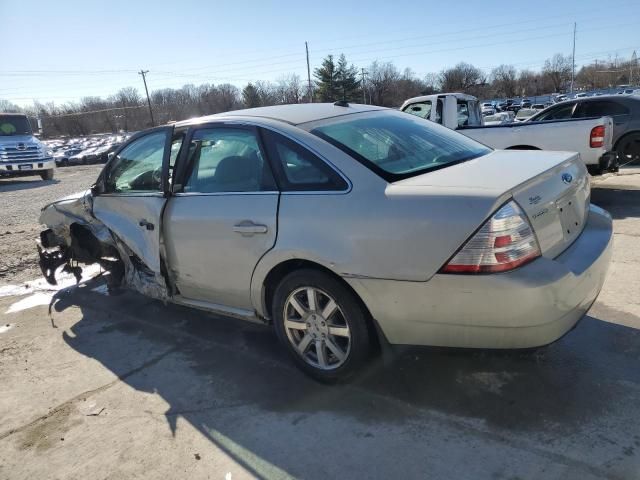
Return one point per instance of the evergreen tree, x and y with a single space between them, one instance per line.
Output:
327 81
251 96
348 86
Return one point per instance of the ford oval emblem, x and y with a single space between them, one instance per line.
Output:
567 178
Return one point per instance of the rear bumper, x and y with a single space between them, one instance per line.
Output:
528 307
24 167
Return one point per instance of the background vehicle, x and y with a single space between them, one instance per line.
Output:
499 118
538 106
525 114
21 153
525 103
62 156
591 137
624 110
237 236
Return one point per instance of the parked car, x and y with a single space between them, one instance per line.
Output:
624 110
21 153
581 95
62 156
525 103
499 118
488 111
591 137
538 106
344 226
525 114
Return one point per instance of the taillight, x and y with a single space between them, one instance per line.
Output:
506 241
596 139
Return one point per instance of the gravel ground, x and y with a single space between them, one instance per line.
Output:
21 200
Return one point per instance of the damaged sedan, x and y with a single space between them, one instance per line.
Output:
346 227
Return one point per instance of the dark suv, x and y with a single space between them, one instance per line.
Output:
625 112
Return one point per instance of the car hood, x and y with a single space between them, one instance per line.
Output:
13 139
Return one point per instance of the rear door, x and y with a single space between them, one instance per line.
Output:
133 194
620 114
222 216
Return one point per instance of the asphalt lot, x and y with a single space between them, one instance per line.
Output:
98 386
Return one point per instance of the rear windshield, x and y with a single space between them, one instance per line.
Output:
396 145
14 125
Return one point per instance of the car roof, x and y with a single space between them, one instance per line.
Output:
295 114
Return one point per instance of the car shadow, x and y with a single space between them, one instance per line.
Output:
13 185
620 201
214 372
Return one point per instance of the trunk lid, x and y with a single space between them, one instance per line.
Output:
552 188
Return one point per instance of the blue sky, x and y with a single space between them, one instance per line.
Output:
63 50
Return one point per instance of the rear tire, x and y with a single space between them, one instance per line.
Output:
47 174
325 331
628 149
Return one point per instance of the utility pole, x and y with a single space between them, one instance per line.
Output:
364 98
144 79
573 58
634 61
306 47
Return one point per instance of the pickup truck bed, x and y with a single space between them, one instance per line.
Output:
572 135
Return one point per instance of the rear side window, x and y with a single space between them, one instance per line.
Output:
561 112
600 109
420 109
227 160
299 169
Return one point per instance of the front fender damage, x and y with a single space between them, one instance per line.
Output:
75 236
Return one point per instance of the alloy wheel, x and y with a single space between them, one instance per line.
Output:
317 328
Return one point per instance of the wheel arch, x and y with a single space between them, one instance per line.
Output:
282 269
624 136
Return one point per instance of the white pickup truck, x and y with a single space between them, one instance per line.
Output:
590 137
21 153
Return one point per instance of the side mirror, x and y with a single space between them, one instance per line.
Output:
110 155
99 187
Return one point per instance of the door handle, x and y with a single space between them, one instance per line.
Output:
148 225
248 228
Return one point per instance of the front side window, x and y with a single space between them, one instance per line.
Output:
227 160
138 167
420 109
398 146
301 169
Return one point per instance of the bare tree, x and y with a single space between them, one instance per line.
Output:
504 79
464 77
558 70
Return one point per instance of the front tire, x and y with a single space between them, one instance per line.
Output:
321 324
47 174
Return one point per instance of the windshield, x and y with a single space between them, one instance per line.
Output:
14 125
396 145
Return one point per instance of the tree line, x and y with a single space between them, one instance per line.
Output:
381 83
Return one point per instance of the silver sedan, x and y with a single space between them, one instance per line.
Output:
345 227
